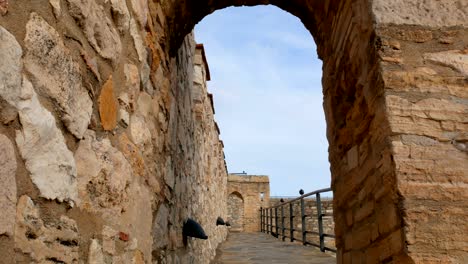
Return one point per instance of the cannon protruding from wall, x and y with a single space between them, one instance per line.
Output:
193 229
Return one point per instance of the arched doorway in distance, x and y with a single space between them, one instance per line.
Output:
236 211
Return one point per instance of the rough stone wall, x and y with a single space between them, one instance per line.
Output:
103 153
236 212
423 47
310 209
249 188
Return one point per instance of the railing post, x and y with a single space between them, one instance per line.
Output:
282 224
291 222
303 222
261 219
320 224
271 221
276 221
267 221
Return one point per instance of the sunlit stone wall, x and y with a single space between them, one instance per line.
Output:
107 143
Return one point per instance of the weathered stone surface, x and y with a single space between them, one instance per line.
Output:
108 106
140 8
10 68
43 148
432 13
56 74
160 228
56 7
456 59
139 131
8 112
132 84
103 176
133 155
98 28
138 41
10 75
121 15
8 183
92 64
3 7
57 240
124 117
109 235
95 255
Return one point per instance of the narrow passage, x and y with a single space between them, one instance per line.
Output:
260 248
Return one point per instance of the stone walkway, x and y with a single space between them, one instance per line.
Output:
259 248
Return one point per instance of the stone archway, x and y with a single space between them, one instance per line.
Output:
371 79
235 207
105 86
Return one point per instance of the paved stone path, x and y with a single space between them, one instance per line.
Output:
259 248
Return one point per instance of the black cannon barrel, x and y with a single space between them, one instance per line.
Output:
220 221
193 229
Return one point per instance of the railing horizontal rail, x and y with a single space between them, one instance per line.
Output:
300 197
274 220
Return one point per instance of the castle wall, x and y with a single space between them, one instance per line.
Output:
249 189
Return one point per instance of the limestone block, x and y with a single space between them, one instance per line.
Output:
145 104
10 68
108 240
454 59
8 183
138 41
42 146
92 64
57 240
132 153
98 28
137 220
121 15
124 117
56 74
103 176
352 158
95 255
3 7
56 7
132 85
8 112
108 106
169 176
140 8
139 131
160 228
432 13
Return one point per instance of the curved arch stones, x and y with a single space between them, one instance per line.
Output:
383 141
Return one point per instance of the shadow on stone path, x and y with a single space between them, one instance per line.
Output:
259 248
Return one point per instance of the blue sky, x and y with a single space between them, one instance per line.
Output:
266 81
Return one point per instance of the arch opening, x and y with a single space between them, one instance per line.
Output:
353 89
235 204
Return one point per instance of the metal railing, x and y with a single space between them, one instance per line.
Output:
270 214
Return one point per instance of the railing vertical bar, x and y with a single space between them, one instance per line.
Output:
276 221
304 241
291 222
261 219
271 221
283 237
320 224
